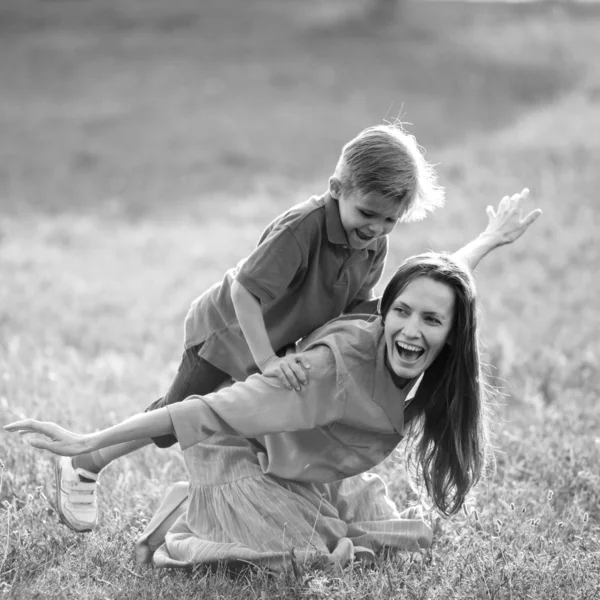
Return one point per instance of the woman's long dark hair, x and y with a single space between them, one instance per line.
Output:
449 411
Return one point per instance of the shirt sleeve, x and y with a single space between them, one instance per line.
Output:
260 405
273 265
366 293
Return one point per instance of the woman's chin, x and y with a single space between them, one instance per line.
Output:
407 373
408 370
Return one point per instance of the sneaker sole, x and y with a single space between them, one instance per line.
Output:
61 516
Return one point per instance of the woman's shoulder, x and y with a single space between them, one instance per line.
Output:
347 333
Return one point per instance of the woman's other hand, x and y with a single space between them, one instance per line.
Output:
291 370
507 223
52 437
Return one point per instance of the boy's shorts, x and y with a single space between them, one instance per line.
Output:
195 376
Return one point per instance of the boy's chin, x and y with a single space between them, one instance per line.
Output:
356 242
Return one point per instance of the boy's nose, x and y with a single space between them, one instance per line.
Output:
376 229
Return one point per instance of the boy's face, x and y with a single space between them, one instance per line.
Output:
365 217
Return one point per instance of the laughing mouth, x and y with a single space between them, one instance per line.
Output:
363 237
408 352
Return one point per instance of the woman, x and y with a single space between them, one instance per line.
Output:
278 473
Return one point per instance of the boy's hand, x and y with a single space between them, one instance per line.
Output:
53 437
291 370
506 223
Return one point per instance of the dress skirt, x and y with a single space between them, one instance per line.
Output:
231 512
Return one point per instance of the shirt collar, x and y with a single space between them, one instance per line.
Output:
333 223
387 394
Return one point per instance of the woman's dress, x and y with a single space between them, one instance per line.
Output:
277 473
231 512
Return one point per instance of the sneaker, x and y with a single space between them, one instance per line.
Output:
75 499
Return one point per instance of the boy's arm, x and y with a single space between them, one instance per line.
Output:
249 314
290 369
505 225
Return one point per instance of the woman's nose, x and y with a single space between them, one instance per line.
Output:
411 327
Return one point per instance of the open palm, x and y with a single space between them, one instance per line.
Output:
507 222
52 437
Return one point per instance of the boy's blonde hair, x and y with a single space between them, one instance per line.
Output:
387 160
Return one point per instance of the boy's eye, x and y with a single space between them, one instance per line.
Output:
365 214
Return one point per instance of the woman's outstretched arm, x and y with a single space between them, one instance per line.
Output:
505 225
257 406
61 441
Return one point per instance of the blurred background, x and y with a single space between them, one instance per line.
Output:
135 106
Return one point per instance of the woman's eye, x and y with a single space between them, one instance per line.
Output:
400 310
433 321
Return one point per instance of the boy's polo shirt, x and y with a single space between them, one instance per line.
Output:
303 272
348 418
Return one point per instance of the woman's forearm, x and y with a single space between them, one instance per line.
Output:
472 253
252 323
150 424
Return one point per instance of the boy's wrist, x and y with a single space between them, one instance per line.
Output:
261 364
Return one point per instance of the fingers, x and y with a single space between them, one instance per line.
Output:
291 371
31 426
40 443
532 217
300 377
42 428
25 426
288 379
61 449
510 203
516 199
503 204
295 373
282 377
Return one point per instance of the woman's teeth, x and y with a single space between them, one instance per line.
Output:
409 352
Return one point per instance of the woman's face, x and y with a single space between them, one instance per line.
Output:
418 325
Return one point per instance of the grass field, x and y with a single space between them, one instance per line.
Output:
145 145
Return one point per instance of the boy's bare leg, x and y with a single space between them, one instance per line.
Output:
94 462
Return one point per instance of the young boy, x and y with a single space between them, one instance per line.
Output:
318 260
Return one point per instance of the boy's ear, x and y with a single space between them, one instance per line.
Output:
335 187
